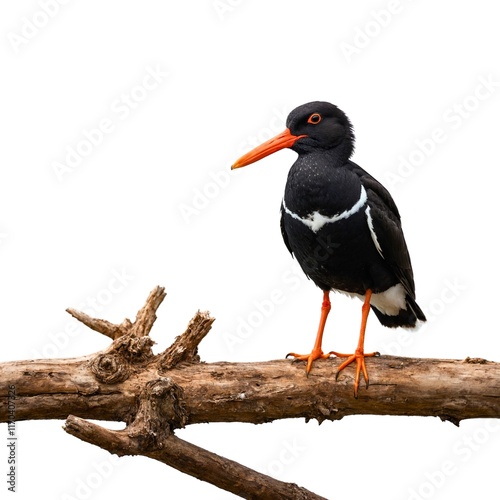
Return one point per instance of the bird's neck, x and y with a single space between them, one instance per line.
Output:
318 183
338 155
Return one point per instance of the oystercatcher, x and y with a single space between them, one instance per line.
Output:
342 226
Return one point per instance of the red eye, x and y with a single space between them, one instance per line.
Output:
314 118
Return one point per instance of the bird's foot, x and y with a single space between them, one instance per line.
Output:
359 356
315 354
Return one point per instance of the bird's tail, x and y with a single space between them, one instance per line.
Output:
407 318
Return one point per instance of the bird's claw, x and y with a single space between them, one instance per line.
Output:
359 357
313 356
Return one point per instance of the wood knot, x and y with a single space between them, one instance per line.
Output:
134 349
110 368
161 410
167 401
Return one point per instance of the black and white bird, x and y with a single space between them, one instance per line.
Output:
342 226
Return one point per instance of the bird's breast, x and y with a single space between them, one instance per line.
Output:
315 219
317 193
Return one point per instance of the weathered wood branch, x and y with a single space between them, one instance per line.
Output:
156 394
150 436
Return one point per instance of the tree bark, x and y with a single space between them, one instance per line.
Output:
155 394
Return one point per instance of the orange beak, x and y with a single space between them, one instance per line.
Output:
281 141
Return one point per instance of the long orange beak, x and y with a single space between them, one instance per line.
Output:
283 140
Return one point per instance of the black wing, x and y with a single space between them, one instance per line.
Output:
387 227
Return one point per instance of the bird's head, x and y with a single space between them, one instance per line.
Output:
311 127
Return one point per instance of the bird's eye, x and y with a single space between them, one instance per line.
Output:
314 118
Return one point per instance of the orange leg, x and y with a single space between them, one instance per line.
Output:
359 355
317 353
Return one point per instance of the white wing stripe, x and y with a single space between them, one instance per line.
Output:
316 221
369 220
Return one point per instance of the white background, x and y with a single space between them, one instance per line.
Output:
153 202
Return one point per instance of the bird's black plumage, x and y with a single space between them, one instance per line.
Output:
345 255
342 226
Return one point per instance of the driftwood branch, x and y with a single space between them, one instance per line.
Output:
156 394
